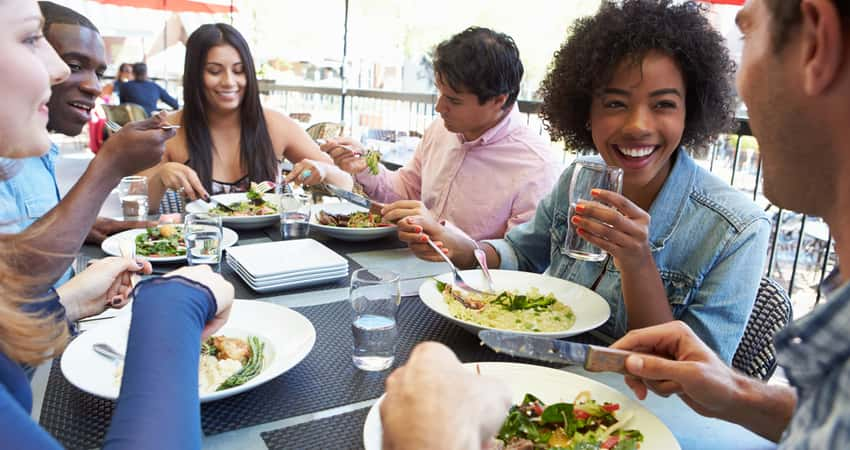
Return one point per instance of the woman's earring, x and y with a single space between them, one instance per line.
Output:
587 125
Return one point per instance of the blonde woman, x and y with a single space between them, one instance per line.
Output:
180 307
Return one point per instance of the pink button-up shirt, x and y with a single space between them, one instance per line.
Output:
484 187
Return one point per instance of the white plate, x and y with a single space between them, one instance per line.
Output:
345 233
111 245
551 386
292 283
283 277
288 336
243 222
590 309
285 257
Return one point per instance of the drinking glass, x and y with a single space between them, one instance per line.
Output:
133 193
375 298
202 233
586 177
294 208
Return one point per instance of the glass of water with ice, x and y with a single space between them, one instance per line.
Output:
375 298
202 233
133 194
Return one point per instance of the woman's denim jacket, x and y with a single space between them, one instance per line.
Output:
708 241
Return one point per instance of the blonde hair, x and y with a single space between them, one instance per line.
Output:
27 337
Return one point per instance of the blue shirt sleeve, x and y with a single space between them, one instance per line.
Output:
159 405
20 432
167 98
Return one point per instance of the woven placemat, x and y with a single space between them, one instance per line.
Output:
344 431
325 379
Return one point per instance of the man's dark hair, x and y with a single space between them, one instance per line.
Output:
482 62
58 14
140 71
785 16
625 31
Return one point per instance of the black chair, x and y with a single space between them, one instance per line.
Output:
756 355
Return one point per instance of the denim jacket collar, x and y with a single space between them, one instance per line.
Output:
667 209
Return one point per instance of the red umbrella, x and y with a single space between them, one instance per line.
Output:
726 2
174 5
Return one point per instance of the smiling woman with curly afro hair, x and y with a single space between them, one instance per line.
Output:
636 82
625 32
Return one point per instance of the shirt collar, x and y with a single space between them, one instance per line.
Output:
810 347
669 205
504 128
52 153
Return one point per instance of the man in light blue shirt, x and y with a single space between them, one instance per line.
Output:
33 191
31 197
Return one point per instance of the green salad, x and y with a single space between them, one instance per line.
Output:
581 425
509 310
161 241
255 205
373 157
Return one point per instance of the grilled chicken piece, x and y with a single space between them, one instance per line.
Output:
232 348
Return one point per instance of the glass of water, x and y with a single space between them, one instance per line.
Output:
375 298
202 233
133 193
586 177
294 208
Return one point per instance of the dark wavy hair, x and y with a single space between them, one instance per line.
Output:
255 145
626 31
480 61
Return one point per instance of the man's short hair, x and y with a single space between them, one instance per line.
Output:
58 14
785 16
480 61
140 70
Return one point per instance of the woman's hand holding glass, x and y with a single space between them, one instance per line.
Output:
106 283
182 178
621 229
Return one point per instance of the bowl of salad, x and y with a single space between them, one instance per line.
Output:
163 243
257 208
557 409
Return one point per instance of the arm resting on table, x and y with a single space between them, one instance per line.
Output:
159 406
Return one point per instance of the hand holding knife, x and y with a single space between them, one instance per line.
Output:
359 200
593 358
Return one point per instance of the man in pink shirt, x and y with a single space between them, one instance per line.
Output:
478 168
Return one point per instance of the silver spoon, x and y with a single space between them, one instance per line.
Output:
108 352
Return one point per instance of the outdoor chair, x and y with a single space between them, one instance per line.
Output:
301 117
124 113
324 130
756 355
172 202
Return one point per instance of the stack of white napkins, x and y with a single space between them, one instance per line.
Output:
274 266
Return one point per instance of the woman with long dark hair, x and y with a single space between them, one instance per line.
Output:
228 139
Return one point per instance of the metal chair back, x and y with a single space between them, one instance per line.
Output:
324 130
756 355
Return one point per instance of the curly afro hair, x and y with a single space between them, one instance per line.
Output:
626 31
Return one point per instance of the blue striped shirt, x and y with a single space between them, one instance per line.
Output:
815 353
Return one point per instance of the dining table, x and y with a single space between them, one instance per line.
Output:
322 402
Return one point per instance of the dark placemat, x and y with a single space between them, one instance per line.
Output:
344 431
325 379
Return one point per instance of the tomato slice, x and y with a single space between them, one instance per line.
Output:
610 442
611 407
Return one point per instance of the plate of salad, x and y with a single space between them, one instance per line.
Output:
260 341
556 409
163 243
524 302
349 222
256 208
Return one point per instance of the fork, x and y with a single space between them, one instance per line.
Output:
221 205
458 280
128 251
114 127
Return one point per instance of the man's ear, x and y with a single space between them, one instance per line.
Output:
822 45
499 100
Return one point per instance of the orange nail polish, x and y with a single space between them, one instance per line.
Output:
575 220
594 192
580 231
423 239
581 207
418 229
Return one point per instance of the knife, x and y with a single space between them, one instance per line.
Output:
591 357
358 200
